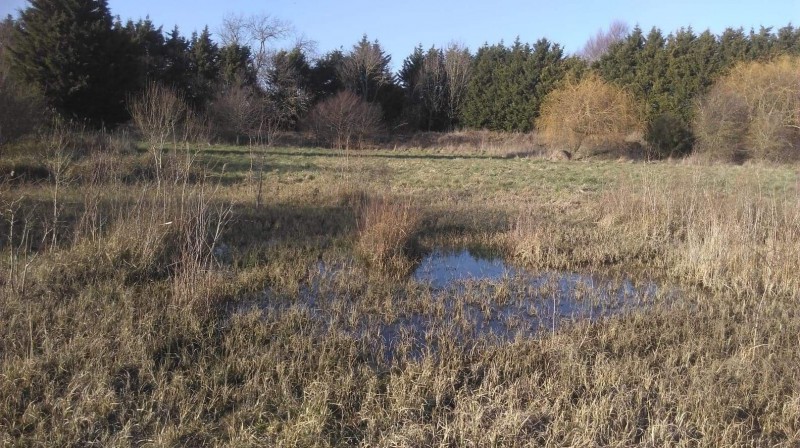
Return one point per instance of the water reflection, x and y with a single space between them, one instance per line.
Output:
469 297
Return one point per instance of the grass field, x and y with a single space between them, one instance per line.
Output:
184 311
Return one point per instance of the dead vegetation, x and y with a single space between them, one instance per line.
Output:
174 316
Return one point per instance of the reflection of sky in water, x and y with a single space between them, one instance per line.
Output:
537 302
442 269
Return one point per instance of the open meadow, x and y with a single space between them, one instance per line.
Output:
279 297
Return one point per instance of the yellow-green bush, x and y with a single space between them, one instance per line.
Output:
588 113
753 112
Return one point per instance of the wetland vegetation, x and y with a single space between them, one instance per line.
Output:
224 238
184 313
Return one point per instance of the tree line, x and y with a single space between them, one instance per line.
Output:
85 64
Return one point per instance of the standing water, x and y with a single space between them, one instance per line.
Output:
468 296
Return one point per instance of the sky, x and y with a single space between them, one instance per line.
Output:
401 26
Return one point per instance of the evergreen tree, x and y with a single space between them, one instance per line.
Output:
651 84
325 79
21 106
424 78
788 40
481 106
365 70
148 50
620 63
72 53
681 72
546 71
177 63
288 79
408 77
706 60
411 67
205 69
6 35
508 85
761 44
432 91
733 46
517 90
575 68
236 66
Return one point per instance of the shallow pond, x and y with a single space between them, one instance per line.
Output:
468 296
573 292
529 302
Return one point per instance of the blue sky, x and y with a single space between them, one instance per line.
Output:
403 25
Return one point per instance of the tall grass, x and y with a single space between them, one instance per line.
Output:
132 331
745 241
734 236
386 229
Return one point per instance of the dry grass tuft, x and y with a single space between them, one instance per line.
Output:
386 229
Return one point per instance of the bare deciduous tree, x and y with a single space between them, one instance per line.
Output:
366 69
344 120
257 32
599 44
232 31
236 112
457 63
158 113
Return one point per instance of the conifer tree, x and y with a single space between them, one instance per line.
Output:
481 107
288 84
408 77
619 63
365 70
177 64
325 76
204 66
236 66
147 42
508 85
72 53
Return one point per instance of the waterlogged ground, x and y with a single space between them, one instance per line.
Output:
550 330
479 297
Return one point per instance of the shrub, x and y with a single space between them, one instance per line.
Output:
162 115
668 136
588 113
236 113
753 112
157 114
344 120
21 110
